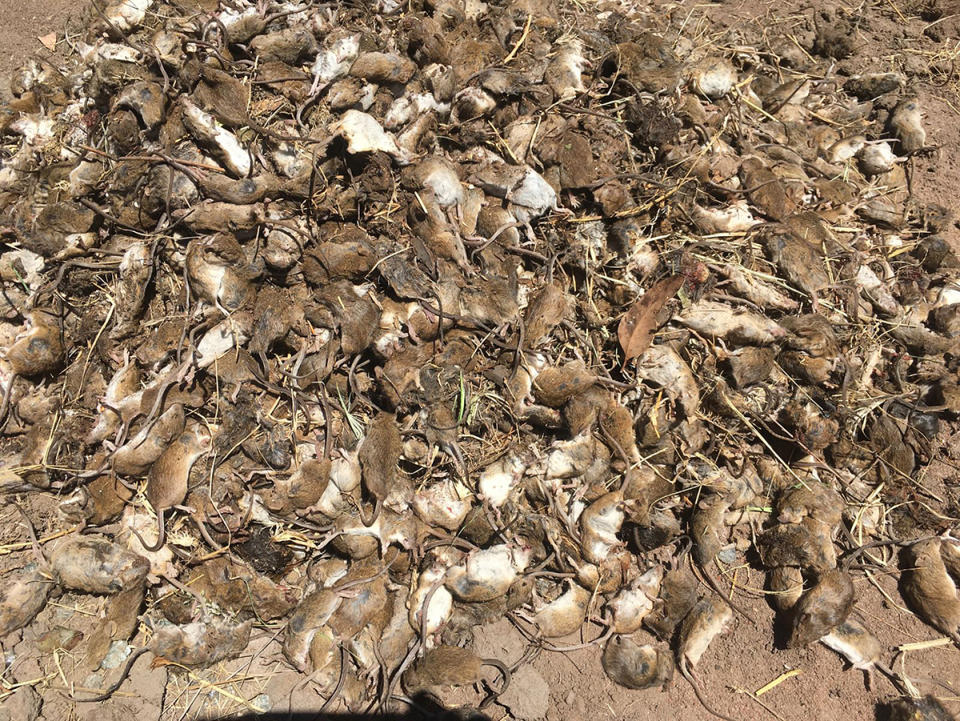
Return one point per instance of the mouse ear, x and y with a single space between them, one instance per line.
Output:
204 435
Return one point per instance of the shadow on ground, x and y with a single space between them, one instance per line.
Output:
422 708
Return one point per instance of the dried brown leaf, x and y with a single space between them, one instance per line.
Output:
49 41
639 323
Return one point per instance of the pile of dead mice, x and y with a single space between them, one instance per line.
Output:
362 324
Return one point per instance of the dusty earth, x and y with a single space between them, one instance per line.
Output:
923 41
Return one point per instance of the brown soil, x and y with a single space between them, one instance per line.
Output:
745 658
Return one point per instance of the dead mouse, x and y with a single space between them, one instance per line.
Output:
636 666
379 455
167 480
486 574
39 349
600 523
927 708
706 525
201 643
928 588
828 603
855 643
94 564
36 351
906 122
218 273
565 614
23 596
135 457
786 586
453 666
822 608
678 594
863 650
709 618
544 313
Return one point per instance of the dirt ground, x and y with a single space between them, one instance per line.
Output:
890 36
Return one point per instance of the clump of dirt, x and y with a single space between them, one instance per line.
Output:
835 38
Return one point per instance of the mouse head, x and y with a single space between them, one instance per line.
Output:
199 436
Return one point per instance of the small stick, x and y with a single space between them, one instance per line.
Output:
523 37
